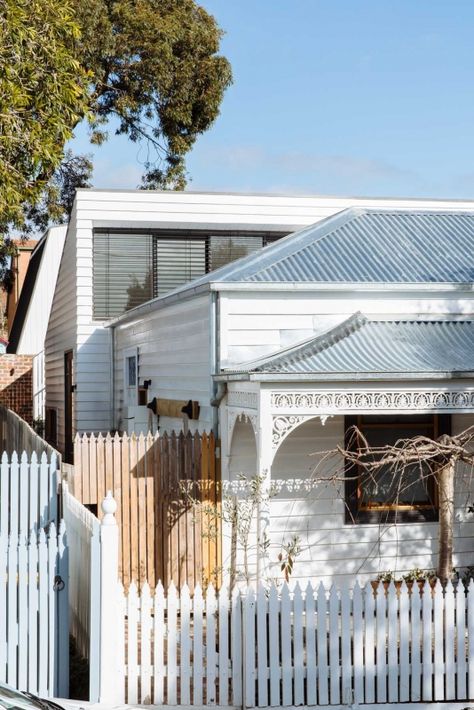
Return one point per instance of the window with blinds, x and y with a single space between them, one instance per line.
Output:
130 269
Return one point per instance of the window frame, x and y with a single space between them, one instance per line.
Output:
404 513
130 400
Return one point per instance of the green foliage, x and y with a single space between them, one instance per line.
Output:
42 97
151 65
155 67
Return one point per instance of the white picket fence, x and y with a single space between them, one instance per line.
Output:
84 582
28 493
282 647
34 638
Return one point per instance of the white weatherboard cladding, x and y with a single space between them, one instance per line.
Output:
332 549
254 324
174 353
61 333
33 333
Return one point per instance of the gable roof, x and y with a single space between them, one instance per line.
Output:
360 348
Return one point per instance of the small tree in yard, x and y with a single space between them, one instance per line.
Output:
432 457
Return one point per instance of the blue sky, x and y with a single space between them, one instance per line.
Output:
341 97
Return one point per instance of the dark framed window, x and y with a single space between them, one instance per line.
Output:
130 268
382 496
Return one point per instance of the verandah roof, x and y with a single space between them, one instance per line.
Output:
361 348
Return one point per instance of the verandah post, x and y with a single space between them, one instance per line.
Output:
111 685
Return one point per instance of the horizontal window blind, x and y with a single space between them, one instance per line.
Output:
123 272
130 269
178 261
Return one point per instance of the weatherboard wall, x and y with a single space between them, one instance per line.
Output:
173 346
254 324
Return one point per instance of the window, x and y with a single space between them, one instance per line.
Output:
132 268
383 497
131 376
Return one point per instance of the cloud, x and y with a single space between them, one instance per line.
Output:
108 174
344 167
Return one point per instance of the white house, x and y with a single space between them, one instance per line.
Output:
124 248
366 317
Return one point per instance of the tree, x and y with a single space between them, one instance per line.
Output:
155 67
436 458
151 65
42 97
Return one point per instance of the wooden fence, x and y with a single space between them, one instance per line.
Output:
34 630
163 536
286 648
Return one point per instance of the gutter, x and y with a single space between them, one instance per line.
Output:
340 376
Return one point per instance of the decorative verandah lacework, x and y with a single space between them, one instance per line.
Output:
290 409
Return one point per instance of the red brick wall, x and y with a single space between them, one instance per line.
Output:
16 384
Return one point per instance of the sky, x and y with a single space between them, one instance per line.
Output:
334 97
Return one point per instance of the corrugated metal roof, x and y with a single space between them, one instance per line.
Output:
379 247
361 245
361 346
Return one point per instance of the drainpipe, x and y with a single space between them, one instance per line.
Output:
112 377
218 389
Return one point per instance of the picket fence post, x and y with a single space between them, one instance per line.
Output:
111 686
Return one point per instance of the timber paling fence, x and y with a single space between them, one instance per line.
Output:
282 647
162 535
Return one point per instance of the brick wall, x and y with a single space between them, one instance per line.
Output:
16 384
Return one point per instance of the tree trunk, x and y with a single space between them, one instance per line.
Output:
446 515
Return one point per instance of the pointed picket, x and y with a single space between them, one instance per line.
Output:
12 606
404 644
42 614
172 603
310 636
334 656
415 628
470 635
24 483
3 603
449 649
392 644
274 644
145 645
185 659
322 633
461 641
358 622
346 633
132 660
223 646
427 631
62 649
369 607
43 497
236 649
211 656
33 599
198 669
298 650
438 616
33 493
249 647
381 643
14 494
22 614
262 664
286 661
158 645
52 558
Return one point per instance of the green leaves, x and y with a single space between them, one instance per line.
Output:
42 97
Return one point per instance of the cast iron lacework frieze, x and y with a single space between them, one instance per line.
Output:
413 400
